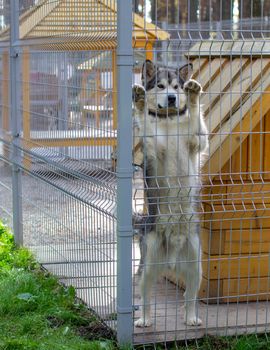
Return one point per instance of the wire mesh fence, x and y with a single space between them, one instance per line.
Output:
172 242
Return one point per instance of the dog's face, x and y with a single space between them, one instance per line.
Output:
49 111
164 87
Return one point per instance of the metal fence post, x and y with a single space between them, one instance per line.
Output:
124 171
15 117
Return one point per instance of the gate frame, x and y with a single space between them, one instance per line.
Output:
16 119
124 172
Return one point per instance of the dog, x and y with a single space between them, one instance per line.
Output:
168 124
75 119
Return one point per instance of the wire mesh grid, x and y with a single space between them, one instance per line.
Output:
68 136
199 212
225 201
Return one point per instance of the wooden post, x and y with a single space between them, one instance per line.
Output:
83 96
149 51
98 98
26 101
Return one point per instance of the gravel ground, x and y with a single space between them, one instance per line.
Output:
58 208
63 209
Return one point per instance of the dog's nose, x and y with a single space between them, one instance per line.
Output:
171 99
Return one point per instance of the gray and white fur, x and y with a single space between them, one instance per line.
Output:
168 120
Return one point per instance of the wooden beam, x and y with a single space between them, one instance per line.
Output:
70 142
149 51
231 48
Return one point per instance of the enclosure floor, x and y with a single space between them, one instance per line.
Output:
99 293
218 320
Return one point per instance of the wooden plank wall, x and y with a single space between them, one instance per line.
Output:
236 203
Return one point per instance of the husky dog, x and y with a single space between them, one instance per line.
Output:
75 119
169 124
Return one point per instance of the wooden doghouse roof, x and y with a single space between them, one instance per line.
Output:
81 24
236 81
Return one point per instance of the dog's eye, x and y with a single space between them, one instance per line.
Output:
161 86
176 87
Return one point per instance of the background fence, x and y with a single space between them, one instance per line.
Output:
67 68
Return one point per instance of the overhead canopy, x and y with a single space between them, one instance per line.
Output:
89 24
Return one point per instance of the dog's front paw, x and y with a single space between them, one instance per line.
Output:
142 322
193 321
192 87
138 95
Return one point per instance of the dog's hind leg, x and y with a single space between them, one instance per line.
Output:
148 279
192 273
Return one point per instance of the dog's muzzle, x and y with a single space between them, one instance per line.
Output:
171 100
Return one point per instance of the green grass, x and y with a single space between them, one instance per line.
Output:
36 312
244 342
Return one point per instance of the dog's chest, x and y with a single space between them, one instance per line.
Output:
168 142
166 134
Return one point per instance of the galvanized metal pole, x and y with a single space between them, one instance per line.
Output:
124 171
16 122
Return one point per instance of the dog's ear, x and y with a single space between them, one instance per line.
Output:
148 70
185 72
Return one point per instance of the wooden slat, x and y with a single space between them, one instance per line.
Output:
231 70
225 266
206 75
236 216
246 241
198 65
37 16
70 142
232 99
212 241
231 48
237 166
234 290
255 150
235 242
227 141
237 193
215 193
239 160
60 16
248 193
266 148
255 288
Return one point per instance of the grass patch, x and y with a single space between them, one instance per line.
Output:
36 312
